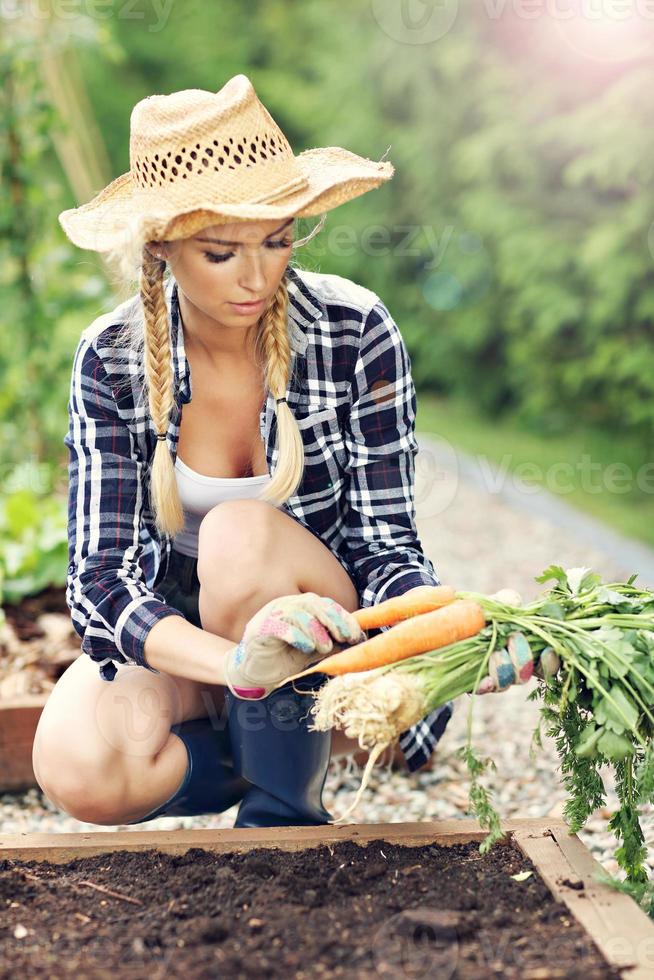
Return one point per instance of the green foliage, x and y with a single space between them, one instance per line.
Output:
609 721
513 245
598 703
625 824
48 296
479 797
580 775
642 890
33 539
39 272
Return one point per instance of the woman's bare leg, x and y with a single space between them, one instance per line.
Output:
261 539
104 752
249 545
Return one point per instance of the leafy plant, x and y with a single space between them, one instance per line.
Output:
33 542
600 709
593 644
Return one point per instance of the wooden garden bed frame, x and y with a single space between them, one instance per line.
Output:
18 721
620 929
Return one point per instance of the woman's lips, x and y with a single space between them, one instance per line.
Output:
247 307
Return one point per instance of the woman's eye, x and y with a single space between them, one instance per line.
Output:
213 257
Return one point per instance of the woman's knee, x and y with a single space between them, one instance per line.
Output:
93 736
84 786
131 715
234 541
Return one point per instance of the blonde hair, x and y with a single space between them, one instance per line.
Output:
144 335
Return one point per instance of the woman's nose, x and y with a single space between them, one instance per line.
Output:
253 274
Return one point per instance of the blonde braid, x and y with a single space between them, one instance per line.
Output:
158 361
274 342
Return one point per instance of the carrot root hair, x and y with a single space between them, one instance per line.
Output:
371 707
374 755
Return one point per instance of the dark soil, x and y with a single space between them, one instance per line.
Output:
341 910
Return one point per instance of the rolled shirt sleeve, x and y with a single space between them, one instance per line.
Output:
112 608
384 550
383 545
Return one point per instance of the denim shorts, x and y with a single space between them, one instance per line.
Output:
181 586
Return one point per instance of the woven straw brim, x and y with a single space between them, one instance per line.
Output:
114 216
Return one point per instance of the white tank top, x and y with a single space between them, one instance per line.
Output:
199 493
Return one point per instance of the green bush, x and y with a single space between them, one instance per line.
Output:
33 538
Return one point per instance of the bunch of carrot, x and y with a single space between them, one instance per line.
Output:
440 644
426 618
362 699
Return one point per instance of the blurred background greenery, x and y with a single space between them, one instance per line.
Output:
514 245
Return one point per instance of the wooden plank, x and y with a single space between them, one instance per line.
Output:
18 721
615 923
65 847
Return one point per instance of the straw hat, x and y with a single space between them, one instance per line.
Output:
199 158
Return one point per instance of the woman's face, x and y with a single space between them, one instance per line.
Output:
223 265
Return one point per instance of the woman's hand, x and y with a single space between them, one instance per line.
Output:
287 635
515 665
512 665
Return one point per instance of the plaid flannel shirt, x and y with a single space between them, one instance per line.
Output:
352 394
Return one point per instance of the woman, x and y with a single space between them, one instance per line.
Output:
187 557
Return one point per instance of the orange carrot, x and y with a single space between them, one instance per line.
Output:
456 621
415 602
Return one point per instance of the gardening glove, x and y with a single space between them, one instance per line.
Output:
548 665
511 665
287 635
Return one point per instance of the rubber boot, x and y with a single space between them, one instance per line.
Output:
210 784
274 750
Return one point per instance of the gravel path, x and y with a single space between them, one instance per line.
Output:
483 533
